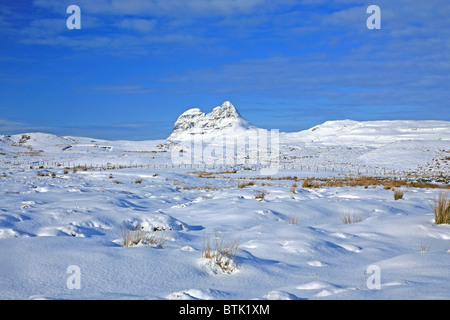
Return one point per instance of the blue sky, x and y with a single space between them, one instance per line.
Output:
136 65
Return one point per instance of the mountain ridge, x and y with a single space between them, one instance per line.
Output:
226 120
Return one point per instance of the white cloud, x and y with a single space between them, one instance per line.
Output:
14 127
174 8
140 25
125 89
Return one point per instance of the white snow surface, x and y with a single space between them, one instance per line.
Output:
75 218
48 224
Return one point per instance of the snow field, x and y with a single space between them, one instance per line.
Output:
292 245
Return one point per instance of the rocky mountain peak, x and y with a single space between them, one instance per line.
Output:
194 122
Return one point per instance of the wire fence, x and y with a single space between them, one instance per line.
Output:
281 168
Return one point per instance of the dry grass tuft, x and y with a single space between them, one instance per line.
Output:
398 194
352 218
424 247
261 195
221 253
293 188
134 237
441 209
308 183
244 184
293 219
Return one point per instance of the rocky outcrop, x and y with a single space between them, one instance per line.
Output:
223 119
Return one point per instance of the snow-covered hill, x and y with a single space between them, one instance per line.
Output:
371 133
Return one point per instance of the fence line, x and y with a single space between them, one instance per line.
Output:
344 169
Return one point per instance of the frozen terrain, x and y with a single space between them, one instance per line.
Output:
65 202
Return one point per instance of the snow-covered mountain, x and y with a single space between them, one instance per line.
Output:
393 144
224 119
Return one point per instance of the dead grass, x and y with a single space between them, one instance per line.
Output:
244 184
261 195
41 174
441 209
83 168
134 237
222 253
349 218
310 183
205 188
398 194
424 246
293 188
211 174
293 219
366 181
385 182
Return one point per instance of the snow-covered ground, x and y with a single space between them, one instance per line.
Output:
61 229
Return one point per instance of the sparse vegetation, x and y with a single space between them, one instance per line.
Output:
205 188
362 181
293 188
349 218
244 184
211 174
441 209
221 253
128 237
310 183
24 138
293 219
260 195
138 181
425 247
386 182
134 237
398 194
83 168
